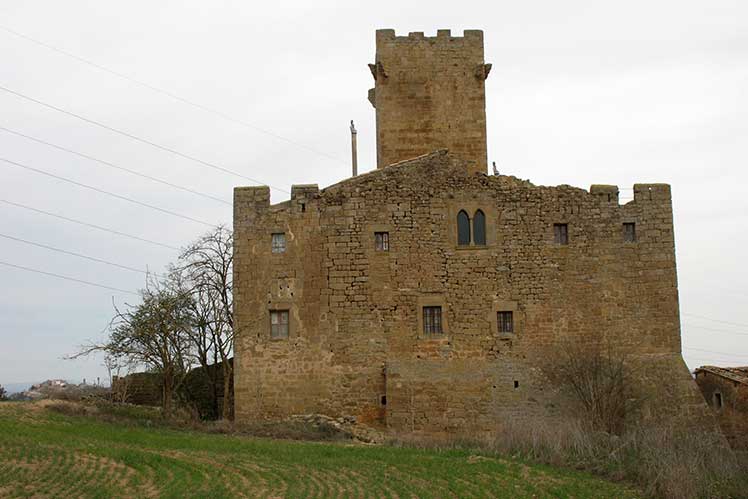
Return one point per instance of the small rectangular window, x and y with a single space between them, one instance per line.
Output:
718 400
561 233
629 232
432 320
279 242
278 324
505 321
382 241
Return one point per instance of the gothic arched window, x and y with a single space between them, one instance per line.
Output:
479 228
463 228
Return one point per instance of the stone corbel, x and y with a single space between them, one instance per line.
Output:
481 72
377 69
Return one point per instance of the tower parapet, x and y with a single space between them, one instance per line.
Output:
429 94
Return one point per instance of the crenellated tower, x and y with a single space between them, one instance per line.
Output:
430 94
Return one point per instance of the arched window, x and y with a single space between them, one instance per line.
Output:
479 228
463 228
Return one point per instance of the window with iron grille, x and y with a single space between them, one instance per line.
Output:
382 241
432 320
629 232
279 242
505 321
561 233
278 324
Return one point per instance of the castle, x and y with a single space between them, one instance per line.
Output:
428 296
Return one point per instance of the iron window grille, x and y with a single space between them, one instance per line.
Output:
505 321
279 242
432 320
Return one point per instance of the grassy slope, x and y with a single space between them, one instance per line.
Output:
46 454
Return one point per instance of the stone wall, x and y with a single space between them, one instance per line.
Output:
356 344
732 416
430 94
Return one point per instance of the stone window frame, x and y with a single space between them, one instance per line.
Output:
371 247
384 236
517 319
278 306
432 301
471 207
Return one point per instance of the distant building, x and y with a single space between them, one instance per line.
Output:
429 296
725 389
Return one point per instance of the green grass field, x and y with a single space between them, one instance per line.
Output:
49 454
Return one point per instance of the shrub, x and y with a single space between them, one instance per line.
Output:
3 393
664 461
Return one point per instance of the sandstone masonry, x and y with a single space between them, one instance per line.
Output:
331 319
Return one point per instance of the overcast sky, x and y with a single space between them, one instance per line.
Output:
581 92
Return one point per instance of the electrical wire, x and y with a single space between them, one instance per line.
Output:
139 139
90 225
67 278
108 193
112 165
79 255
170 94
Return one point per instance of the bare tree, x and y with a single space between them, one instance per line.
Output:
207 267
598 378
154 333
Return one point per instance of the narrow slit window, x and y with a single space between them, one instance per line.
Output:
479 228
432 320
561 234
505 321
463 228
279 242
278 324
382 241
718 400
629 232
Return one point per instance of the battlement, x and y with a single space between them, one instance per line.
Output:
470 36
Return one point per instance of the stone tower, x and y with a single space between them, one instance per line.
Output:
430 94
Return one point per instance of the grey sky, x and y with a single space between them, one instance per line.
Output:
580 93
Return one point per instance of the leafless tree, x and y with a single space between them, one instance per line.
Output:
207 267
598 377
154 333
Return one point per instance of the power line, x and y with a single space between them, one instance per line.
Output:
715 320
139 139
171 95
90 225
67 278
79 255
96 189
112 165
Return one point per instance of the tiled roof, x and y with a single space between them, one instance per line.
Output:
738 374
